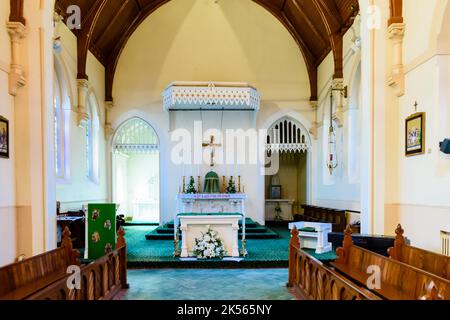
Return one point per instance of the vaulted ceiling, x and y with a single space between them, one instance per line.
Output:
317 26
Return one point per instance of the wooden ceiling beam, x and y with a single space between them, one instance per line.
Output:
16 11
115 17
310 24
114 57
396 11
308 56
85 35
333 23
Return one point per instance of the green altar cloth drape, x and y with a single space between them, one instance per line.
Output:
212 183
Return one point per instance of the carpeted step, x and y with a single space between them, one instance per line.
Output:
253 231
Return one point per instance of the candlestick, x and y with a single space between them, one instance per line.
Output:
199 185
224 184
184 184
239 184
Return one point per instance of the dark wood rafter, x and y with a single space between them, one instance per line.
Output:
331 19
307 55
114 57
317 26
396 11
16 11
85 35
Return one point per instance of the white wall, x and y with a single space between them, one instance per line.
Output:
77 189
191 40
342 189
423 202
7 167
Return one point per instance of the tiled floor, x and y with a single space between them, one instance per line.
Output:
208 284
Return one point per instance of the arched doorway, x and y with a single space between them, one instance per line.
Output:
135 166
288 188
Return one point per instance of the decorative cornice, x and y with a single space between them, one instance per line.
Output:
16 31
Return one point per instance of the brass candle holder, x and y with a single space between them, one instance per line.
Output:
184 184
198 185
239 184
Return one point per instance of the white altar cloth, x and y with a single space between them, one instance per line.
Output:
194 225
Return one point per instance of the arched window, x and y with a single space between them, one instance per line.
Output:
61 108
136 183
59 127
92 139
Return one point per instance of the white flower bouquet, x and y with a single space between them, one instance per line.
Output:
209 246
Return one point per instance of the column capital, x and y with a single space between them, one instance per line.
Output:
83 84
396 31
83 88
396 78
337 84
16 31
109 105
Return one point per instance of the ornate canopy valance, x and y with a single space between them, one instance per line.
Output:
288 136
186 96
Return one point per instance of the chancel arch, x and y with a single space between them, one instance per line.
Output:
135 170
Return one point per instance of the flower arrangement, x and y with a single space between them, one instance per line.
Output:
209 246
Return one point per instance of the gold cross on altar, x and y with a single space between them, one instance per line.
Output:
211 145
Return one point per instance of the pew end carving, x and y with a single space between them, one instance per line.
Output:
431 262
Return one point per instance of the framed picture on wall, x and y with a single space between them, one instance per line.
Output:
415 134
275 192
4 138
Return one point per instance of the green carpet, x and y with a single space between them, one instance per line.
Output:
253 231
159 253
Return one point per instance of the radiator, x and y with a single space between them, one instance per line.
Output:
445 239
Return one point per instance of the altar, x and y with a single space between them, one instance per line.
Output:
219 212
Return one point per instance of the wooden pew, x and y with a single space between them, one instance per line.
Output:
399 281
45 277
324 215
434 263
102 279
312 280
22 279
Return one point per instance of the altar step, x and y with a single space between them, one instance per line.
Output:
253 231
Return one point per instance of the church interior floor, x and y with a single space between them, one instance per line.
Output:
208 284
262 253
143 253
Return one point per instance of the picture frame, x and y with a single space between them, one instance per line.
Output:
4 138
415 134
275 192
